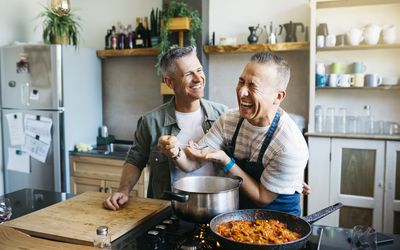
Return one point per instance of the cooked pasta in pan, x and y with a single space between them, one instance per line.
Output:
257 232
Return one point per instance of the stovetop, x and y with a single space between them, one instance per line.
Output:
171 233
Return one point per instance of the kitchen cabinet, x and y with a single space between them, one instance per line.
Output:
341 16
360 173
102 175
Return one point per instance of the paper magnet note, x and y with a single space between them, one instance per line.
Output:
16 130
18 160
38 125
37 147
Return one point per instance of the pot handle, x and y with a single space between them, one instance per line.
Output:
322 213
175 196
240 179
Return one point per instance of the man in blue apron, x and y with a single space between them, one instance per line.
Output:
258 141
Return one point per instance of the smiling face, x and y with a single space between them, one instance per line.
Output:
258 94
188 80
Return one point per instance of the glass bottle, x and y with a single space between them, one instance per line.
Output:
102 239
108 40
128 37
147 42
114 39
140 33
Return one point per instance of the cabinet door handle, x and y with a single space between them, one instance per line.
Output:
380 185
100 189
106 190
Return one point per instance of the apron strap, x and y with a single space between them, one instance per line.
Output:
268 138
235 135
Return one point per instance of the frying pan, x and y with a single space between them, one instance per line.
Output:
297 224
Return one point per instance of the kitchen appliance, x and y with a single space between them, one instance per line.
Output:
290 29
199 198
51 100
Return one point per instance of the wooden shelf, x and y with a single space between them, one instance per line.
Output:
382 87
352 3
128 52
360 47
250 48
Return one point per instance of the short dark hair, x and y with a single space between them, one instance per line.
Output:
168 60
282 66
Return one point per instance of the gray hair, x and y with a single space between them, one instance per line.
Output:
282 66
168 60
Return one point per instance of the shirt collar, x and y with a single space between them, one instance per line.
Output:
170 117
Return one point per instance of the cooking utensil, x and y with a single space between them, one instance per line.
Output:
199 198
297 224
198 147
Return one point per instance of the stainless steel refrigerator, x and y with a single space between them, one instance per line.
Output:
49 89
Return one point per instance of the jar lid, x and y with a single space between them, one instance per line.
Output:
102 230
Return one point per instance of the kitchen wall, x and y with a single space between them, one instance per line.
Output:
231 19
127 80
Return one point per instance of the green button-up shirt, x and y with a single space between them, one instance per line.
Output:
162 121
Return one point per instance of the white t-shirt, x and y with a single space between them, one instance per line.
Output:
284 160
191 129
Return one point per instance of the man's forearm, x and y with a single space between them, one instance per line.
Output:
184 163
130 176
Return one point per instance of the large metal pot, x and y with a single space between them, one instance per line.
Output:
198 199
297 224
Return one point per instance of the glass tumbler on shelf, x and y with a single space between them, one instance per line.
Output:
330 120
319 119
340 121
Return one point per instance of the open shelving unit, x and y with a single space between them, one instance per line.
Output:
127 52
250 48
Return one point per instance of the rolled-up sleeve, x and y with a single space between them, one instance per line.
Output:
138 154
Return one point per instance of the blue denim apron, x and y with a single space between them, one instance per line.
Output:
284 203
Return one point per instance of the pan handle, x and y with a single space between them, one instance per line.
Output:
322 213
175 196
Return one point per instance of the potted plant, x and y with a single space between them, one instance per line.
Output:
60 28
185 17
154 27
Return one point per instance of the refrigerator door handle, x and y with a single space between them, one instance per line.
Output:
25 94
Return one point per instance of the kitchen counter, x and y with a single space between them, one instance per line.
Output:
116 151
28 200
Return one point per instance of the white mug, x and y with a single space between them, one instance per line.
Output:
389 34
354 36
320 68
373 80
345 80
372 33
333 80
330 40
320 41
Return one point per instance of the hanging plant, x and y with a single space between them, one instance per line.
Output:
177 9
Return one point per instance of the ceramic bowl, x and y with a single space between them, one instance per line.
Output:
390 80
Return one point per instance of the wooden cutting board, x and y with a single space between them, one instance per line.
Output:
75 220
11 239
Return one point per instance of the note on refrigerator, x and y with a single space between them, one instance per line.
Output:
38 125
18 160
37 147
16 129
